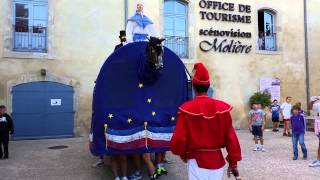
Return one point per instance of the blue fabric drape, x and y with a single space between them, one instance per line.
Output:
119 96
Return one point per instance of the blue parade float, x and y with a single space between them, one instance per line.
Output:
132 114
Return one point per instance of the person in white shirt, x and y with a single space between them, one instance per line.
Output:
140 27
286 115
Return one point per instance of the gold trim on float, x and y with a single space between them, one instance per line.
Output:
105 133
201 114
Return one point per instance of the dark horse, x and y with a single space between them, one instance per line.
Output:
150 70
154 52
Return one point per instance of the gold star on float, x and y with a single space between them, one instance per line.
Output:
173 118
130 120
110 116
154 113
140 85
149 100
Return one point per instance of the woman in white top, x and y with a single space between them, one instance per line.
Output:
139 26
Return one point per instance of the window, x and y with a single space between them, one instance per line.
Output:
30 25
267 38
176 27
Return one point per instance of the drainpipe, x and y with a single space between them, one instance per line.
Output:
125 12
306 49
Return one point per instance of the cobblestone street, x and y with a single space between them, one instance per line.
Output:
32 160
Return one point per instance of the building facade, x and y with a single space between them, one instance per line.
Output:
51 52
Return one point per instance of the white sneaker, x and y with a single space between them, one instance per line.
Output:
262 149
99 163
256 148
135 176
315 163
117 178
124 178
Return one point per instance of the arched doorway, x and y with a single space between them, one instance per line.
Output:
43 109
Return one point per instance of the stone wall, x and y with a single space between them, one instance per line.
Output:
314 46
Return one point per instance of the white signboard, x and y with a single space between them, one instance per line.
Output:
271 86
56 102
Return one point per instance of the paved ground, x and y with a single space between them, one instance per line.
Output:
32 160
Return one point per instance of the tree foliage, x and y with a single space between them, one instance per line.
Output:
261 98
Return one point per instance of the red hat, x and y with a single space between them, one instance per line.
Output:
201 75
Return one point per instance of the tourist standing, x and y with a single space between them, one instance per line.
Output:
257 123
286 115
298 131
275 115
6 128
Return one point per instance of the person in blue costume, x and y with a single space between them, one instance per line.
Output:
139 26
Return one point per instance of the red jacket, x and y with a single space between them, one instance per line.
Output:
204 126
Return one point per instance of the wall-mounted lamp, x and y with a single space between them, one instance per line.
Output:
43 72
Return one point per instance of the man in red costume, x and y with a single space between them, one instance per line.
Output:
204 127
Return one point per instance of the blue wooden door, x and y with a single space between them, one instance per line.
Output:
43 110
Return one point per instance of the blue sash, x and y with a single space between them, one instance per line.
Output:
139 37
142 20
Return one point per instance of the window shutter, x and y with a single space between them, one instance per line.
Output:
40 15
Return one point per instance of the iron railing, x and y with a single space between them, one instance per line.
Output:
179 45
30 38
268 42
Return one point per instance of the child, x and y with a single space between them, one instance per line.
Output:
316 107
256 125
275 110
302 114
298 131
301 110
6 128
286 114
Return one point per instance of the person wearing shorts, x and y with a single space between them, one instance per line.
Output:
275 111
286 115
256 126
